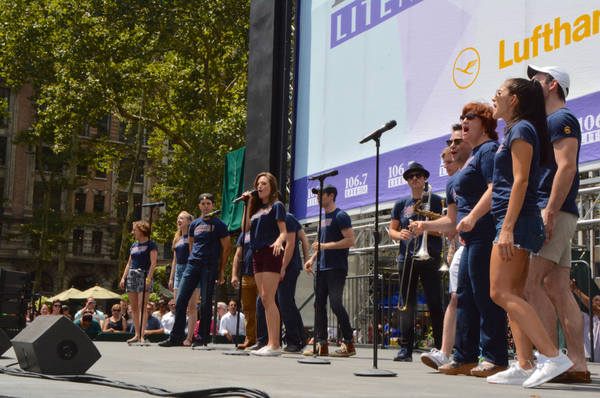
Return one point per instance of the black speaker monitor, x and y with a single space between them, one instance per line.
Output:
54 345
5 343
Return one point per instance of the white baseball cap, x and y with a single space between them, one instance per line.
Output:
557 73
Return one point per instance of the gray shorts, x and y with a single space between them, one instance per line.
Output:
559 248
136 280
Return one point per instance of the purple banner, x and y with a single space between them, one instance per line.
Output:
356 181
362 15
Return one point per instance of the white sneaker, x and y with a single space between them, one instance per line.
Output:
267 352
435 358
547 369
515 375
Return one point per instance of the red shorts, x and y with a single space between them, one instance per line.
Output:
264 261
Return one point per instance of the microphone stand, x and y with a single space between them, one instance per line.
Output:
314 360
375 372
152 206
237 351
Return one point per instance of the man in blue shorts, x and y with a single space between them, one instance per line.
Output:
337 236
428 270
557 193
209 251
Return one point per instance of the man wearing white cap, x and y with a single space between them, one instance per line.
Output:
557 192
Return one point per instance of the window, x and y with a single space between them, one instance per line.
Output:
85 132
80 203
82 169
101 173
125 136
38 196
5 95
1 192
167 252
125 166
50 160
103 127
3 141
122 205
78 241
96 242
98 203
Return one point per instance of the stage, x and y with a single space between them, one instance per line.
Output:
181 369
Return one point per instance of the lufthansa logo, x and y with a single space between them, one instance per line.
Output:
466 68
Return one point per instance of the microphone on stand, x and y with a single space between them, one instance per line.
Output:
159 204
254 192
377 133
212 214
323 175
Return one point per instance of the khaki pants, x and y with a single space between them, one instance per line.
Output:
249 297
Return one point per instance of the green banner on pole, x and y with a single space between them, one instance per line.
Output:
233 187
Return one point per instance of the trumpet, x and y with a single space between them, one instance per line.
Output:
445 266
422 253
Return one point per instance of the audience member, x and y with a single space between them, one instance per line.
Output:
91 303
116 323
168 320
153 325
89 325
584 299
65 312
162 310
56 307
229 324
44 310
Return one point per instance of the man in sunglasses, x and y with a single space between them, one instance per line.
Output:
428 270
557 193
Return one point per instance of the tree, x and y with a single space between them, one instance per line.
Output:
176 69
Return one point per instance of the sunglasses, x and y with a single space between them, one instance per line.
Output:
470 116
57 305
117 310
171 305
411 176
456 142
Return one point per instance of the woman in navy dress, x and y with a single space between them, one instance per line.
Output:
519 227
138 275
266 222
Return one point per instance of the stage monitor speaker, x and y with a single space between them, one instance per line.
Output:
5 343
54 345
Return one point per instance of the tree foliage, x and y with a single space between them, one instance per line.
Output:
85 59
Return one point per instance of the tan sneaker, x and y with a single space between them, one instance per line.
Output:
322 351
346 350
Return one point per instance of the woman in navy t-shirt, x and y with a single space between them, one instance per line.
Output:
519 226
138 275
181 252
266 222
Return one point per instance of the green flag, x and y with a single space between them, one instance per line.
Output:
233 187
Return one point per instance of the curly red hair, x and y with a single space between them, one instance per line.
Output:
484 111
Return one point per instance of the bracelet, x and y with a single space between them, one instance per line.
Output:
279 237
147 280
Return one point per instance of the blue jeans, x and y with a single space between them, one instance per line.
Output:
431 279
193 275
331 284
479 321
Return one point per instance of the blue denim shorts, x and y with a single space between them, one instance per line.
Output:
178 273
529 232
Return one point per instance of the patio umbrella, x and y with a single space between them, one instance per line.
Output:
67 294
97 292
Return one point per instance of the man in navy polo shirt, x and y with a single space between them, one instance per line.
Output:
209 251
557 193
428 270
337 236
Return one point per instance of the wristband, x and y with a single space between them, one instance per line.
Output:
279 237
147 280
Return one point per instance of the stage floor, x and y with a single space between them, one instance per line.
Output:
181 369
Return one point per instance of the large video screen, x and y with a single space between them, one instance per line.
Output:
362 63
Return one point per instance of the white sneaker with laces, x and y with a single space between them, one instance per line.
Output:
257 352
267 352
435 358
547 369
515 375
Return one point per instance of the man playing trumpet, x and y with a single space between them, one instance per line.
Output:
403 214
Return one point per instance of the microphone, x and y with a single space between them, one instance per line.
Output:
159 204
322 176
254 192
377 133
211 215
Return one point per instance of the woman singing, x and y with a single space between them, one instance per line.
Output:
480 323
520 228
181 249
266 222
138 275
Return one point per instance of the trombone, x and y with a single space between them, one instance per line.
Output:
445 266
422 253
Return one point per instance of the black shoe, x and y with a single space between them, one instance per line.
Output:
403 356
170 343
255 347
198 343
292 349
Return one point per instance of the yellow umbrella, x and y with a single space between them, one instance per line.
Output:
67 294
97 292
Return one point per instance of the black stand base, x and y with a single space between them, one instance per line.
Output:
314 361
374 372
202 348
237 352
138 344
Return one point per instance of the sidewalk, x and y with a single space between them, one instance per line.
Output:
181 369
